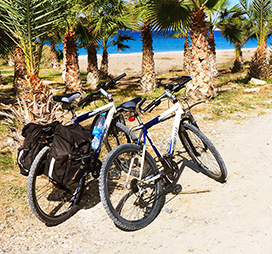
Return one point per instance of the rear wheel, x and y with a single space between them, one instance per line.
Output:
203 152
50 202
131 203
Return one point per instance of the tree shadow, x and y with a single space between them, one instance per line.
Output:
183 163
89 198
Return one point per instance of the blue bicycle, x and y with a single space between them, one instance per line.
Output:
132 187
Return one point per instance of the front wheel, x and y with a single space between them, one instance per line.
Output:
118 134
50 202
203 152
130 202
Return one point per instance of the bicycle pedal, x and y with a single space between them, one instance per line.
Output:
176 189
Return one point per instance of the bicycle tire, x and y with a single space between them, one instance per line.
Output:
203 152
49 202
135 207
118 134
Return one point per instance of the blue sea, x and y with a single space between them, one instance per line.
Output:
166 44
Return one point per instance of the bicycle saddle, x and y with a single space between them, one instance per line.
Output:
68 98
129 105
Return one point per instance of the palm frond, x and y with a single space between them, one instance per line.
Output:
28 22
260 14
169 15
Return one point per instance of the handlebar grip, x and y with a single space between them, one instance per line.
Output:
101 85
119 77
112 83
181 84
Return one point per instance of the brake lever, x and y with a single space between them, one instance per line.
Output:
140 105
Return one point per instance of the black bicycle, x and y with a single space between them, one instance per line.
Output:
53 203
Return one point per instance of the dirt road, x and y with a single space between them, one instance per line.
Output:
206 217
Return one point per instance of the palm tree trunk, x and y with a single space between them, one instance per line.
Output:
10 60
1 78
72 73
186 53
104 68
259 65
19 82
237 65
54 57
201 86
92 69
211 42
33 94
148 81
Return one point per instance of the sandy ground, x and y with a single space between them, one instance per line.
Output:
164 62
206 217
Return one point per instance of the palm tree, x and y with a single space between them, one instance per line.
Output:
214 16
237 30
54 57
108 41
70 58
20 70
106 18
259 13
71 72
86 38
92 69
200 66
100 20
198 53
155 17
54 38
27 23
141 10
183 33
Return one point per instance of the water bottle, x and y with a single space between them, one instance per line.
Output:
98 131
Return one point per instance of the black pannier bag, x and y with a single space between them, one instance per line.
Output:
36 137
70 154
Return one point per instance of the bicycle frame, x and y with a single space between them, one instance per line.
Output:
110 109
177 109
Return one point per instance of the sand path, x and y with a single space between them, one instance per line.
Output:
206 217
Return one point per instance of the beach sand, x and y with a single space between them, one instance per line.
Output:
164 62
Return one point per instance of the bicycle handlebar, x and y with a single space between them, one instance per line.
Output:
171 88
181 84
103 87
88 99
154 104
113 81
